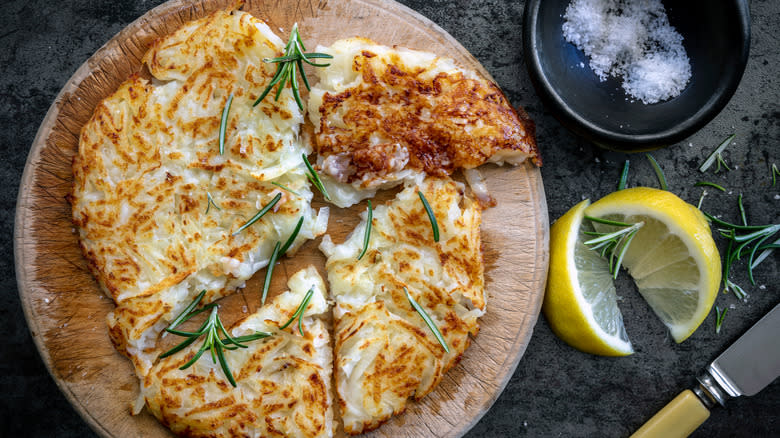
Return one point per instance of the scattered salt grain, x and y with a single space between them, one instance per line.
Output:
46 300
777 196
631 39
244 309
732 306
762 287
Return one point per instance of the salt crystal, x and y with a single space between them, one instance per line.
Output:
762 287
597 160
46 300
631 39
243 309
777 196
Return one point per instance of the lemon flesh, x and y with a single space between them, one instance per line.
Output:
672 258
580 303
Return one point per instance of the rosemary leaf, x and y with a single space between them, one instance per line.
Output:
292 237
623 177
284 187
766 250
710 184
209 202
775 173
248 338
658 172
367 235
223 124
300 311
314 177
738 291
741 209
428 321
716 154
269 272
720 314
431 216
183 316
259 214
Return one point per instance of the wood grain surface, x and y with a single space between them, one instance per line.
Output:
66 311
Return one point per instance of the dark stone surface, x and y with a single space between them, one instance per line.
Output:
556 390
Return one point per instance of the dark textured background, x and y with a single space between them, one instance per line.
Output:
556 390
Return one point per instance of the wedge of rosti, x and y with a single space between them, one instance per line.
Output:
383 115
160 207
283 382
385 353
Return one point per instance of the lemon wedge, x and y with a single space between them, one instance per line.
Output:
672 258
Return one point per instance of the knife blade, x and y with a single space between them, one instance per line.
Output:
752 362
746 367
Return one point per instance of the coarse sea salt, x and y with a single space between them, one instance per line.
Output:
631 40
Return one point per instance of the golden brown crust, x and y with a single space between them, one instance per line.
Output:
445 121
384 351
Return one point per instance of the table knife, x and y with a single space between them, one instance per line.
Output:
745 368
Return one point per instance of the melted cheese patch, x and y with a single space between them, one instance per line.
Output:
149 159
384 351
283 381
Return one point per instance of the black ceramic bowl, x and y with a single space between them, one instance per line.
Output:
716 36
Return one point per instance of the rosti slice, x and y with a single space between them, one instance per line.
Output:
283 381
158 206
384 115
384 351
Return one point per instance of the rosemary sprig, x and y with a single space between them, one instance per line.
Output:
756 236
211 328
289 66
658 172
623 177
259 214
738 291
367 235
431 216
775 173
223 124
615 244
278 251
314 177
299 312
209 202
720 314
284 187
716 156
428 321
709 184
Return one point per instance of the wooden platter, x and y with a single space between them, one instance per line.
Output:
66 310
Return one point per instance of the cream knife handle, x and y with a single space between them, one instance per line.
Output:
679 418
